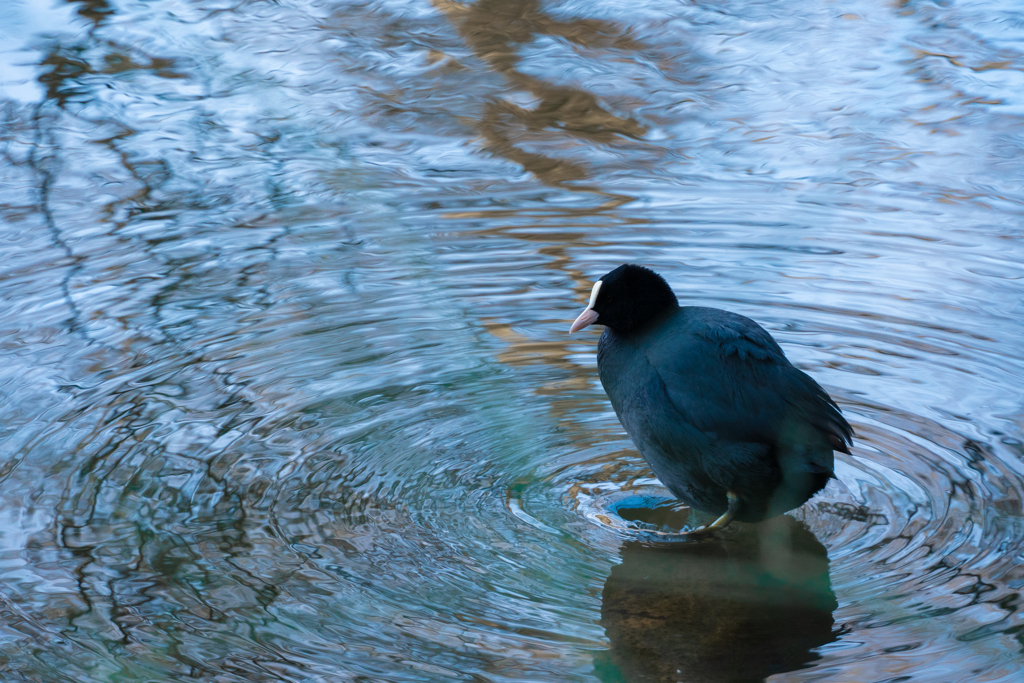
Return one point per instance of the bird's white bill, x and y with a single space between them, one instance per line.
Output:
587 317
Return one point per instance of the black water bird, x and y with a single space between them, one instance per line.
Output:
721 416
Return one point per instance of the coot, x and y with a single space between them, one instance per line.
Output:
722 417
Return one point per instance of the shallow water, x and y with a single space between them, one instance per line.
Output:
286 391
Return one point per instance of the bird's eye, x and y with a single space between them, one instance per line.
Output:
593 294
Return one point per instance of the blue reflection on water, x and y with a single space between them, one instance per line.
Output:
287 393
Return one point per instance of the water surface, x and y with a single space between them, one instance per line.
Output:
286 392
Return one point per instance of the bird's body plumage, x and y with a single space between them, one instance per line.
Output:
715 408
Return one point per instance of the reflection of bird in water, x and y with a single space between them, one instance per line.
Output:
717 612
709 399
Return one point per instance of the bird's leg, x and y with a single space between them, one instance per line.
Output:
734 506
721 522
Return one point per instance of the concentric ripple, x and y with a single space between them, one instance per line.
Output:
286 390
923 533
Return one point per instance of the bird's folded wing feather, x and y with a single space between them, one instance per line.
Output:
726 376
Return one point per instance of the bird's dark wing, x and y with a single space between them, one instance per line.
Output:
726 376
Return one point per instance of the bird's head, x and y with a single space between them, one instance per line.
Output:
626 299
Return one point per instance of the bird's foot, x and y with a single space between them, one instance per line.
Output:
720 523
701 533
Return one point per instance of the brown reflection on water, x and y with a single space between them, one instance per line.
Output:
740 609
552 348
196 484
525 351
493 29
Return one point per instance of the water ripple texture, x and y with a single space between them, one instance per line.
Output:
286 392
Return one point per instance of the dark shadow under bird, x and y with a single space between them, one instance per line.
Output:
724 420
718 612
